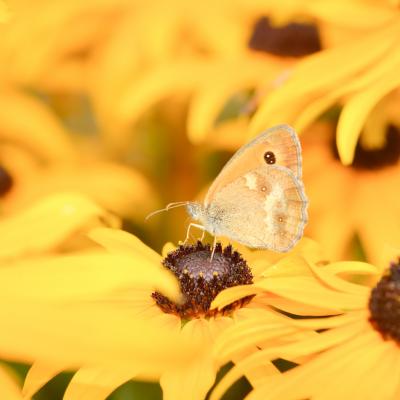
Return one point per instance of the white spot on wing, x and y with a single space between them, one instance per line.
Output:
251 181
275 201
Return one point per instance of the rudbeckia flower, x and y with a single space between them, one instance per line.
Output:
358 74
51 224
361 199
355 355
242 36
201 279
39 157
44 308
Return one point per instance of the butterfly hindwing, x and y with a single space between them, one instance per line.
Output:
265 208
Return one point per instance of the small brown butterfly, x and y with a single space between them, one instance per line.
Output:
258 198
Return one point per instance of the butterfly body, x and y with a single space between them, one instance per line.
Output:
258 198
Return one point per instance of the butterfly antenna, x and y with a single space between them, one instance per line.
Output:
167 208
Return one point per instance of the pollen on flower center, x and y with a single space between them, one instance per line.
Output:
202 278
6 181
384 304
292 40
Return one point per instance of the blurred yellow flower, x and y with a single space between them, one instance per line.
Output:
51 224
36 52
357 342
360 199
39 157
358 73
54 223
263 55
200 280
128 55
46 308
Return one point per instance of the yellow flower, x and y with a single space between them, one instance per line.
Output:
45 308
44 227
200 65
114 46
357 343
55 223
39 157
200 280
358 73
361 199
37 52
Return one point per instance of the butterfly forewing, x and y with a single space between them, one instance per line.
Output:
276 146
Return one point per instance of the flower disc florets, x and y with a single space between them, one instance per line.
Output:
6 181
374 159
201 278
292 40
384 304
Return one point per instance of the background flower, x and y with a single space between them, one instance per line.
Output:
193 319
109 109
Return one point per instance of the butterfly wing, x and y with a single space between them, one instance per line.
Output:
264 208
280 140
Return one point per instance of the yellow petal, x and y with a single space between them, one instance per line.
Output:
193 380
48 223
253 337
163 81
119 189
337 283
352 267
308 291
84 276
228 296
306 80
297 307
167 248
38 375
4 11
90 333
289 352
300 383
121 242
355 113
221 84
38 130
9 387
96 383
355 14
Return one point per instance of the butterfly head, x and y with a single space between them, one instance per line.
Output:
195 210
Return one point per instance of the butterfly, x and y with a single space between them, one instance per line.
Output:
258 198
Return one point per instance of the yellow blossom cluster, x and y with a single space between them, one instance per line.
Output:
111 108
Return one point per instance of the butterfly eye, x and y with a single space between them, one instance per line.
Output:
269 157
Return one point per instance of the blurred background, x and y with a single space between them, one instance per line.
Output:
137 104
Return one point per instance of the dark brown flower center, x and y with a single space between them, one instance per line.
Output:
202 278
372 159
384 304
6 181
292 40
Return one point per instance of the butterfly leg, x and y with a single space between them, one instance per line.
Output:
188 230
213 248
203 233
